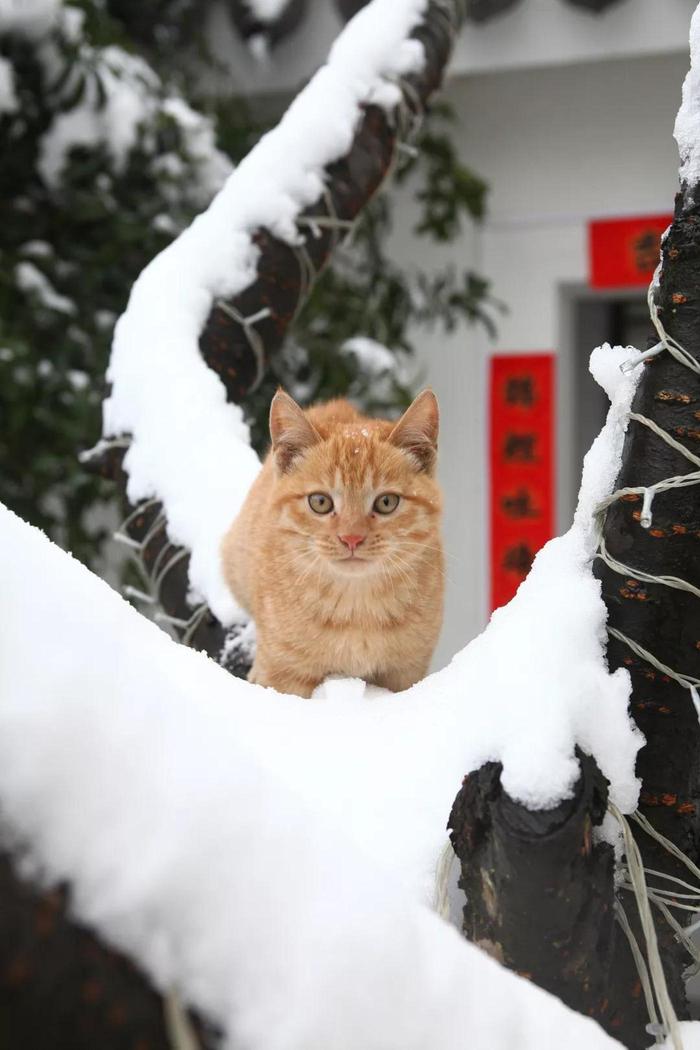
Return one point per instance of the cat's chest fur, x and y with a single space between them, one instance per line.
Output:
358 631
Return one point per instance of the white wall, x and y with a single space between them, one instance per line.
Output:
558 147
551 32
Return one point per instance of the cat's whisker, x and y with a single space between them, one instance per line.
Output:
430 547
401 567
443 574
315 558
390 578
414 544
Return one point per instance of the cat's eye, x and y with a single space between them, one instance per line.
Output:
386 503
320 503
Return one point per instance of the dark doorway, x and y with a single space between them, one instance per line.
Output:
620 322
589 320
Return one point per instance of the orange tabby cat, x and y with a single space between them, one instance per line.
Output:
336 553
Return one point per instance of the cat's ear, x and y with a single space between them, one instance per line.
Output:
290 430
417 431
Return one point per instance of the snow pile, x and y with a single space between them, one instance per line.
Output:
687 128
266 10
141 772
212 166
31 18
121 100
690 1034
190 448
372 358
31 280
117 99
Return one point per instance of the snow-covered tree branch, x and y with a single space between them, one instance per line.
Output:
242 271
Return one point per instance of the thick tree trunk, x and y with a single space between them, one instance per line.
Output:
662 619
541 899
665 622
61 989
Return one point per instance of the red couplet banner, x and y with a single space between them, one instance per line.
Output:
522 466
625 252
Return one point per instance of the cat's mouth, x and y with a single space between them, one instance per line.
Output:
353 562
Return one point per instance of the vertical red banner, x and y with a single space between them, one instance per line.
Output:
522 467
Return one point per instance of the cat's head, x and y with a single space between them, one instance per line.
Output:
356 496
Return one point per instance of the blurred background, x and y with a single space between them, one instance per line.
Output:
521 233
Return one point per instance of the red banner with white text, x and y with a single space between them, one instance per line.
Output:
522 466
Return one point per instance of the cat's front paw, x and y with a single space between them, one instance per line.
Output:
281 681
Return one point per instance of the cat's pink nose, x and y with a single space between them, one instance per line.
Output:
352 541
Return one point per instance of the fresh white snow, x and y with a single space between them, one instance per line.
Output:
30 279
204 828
372 357
687 129
31 18
267 10
190 448
211 165
690 1034
132 101
130 98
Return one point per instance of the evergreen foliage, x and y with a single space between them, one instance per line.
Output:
103 163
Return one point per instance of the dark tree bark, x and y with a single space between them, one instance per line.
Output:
60 989
541 899
663 620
